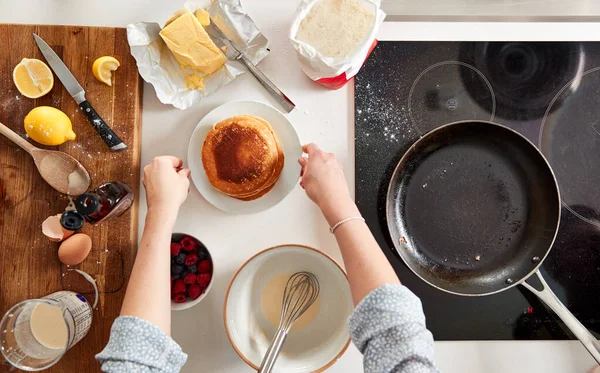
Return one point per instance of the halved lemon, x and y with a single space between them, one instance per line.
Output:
33 78
103 68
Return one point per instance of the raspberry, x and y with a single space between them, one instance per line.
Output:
203 279
175 248
205 266
189 279
179 298
194 291
191 259
179 287
188 243
172 279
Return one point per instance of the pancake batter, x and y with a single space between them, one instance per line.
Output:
272 297
48 326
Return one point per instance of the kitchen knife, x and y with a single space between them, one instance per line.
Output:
78 93
232 53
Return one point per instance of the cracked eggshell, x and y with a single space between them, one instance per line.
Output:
52 229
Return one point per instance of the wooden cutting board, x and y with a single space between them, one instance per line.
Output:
29 265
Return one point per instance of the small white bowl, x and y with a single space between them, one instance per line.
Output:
190 303
315 347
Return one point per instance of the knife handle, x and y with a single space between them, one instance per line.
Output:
283 100
109 137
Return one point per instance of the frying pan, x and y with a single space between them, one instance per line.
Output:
473 209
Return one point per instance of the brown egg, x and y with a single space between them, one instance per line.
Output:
52 229
75 249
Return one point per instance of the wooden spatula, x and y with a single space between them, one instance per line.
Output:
63 172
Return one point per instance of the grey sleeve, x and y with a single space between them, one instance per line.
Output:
388 327
136 345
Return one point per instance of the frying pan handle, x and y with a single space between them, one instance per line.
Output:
585 337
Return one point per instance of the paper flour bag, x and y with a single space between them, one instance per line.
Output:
333 38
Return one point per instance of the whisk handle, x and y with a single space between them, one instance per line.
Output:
273 352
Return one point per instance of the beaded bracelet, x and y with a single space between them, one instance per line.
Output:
336 225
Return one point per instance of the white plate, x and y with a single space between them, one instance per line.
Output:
288 140
315 347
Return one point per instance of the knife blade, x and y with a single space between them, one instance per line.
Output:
78 93
234 54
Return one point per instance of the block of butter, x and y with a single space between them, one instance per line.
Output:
196 54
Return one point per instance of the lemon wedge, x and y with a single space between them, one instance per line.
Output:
48 126
103 68
33 78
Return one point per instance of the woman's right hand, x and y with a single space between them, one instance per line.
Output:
167 184
325 184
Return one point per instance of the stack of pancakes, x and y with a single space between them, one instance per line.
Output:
242 157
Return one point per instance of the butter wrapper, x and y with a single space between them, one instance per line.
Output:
158 66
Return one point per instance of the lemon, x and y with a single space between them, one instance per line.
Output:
103 68
33 78
48 126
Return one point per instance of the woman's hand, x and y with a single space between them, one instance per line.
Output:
325 184
166 183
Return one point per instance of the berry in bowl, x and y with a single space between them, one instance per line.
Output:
191 271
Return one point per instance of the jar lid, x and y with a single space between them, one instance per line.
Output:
71 220
86 204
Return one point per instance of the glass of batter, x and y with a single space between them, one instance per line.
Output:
35 334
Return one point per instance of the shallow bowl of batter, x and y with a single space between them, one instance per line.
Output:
253 305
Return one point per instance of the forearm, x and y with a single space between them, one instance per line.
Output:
148 292
365 263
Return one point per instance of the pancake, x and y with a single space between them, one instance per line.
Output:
280 159
242 157
261 191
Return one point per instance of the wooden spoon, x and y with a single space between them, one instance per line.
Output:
63 172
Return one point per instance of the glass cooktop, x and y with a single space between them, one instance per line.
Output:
549 92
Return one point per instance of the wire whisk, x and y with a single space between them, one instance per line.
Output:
301 291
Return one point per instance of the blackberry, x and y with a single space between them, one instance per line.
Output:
177 269
180 259
202 254
193 268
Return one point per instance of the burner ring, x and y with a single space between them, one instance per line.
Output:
436 100
567 154
525 75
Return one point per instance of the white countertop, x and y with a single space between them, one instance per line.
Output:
322 116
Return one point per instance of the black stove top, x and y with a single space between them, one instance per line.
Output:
549 92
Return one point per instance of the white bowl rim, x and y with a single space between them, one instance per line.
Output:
240 354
